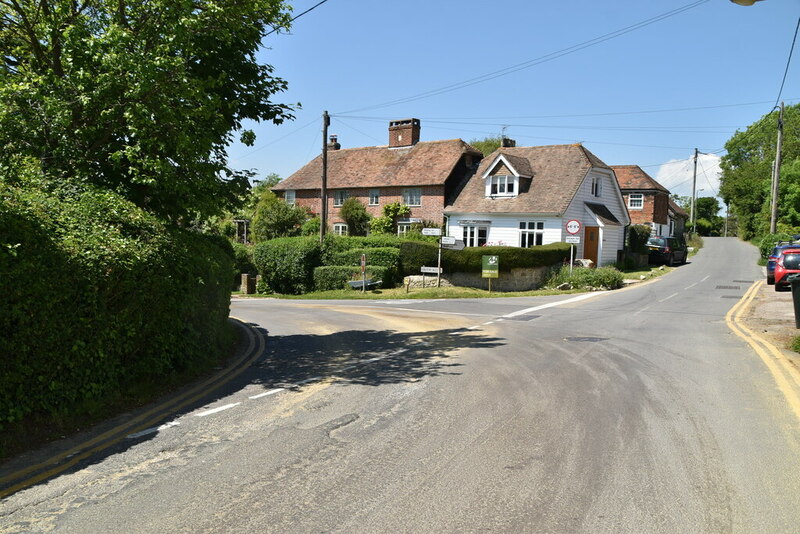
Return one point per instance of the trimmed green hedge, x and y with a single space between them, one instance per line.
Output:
287 264
335 244
99 295
388 257
638 234
332 277
415 254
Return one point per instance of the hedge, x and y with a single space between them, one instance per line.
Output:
287 264
335 244
98 296
415 254
330 277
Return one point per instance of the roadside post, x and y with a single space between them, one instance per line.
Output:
794 280
363 273
490 268
573 227
436 232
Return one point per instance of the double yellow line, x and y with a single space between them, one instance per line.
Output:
59 463
784 371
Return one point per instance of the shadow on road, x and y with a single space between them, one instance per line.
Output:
371 357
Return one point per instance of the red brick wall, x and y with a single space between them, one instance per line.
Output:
655 209
432 202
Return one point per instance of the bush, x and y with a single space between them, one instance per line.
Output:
332 277
587 278
768 242
638 234
287 264
243 262
415 254
388 257
123 298
335 244
355 215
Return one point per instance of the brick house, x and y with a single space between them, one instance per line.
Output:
647 200
524 197
418 174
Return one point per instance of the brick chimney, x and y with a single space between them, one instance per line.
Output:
507 143
333 144
403 132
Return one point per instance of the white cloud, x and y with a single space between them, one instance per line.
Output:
676 175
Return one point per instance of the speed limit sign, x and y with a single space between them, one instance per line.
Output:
573 226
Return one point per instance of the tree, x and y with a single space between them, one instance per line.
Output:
747 171
387 223
139 97
275 218
487 145
355 215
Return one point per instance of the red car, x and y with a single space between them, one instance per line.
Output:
788 263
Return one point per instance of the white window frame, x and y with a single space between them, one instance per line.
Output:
289 196
340 228
472 235
412 196
502 185
597 186
528 229
374 197
638 200
403 228
339 196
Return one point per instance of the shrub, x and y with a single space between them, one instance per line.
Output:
388 257
587 278
355 215
125 300
287 264
415 254
335 244
638 234
243 262
330 277
768 242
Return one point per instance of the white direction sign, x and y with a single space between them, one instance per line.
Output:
573 226
446 240
431 231
430 270
572 239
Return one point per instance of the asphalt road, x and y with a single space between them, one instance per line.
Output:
629 411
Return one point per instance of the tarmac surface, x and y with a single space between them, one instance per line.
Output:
771 316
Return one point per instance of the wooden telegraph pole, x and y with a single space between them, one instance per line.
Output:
323 215
776 176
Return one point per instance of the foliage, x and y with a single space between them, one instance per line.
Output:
287 264
638 234
335 244
415 254
387 223
141 98
311 226
330 277
124 298
707 219
587 278
768 242
487 145
747 172
275 218
354 213
243 261
388 257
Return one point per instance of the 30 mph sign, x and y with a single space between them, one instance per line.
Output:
573 226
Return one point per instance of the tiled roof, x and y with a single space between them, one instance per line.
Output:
557 171
633 177
426 163
677 209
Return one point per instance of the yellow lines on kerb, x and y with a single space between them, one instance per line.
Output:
783 371
64 460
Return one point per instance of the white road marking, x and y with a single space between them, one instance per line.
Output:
669 297
552 304
691 286
270 392
217 410
152 430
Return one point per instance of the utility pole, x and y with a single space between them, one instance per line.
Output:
776 176
323 223
694 193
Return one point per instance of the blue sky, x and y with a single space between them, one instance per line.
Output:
543 72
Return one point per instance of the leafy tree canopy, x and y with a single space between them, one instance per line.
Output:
747 171
139 97
487 145
355 215
275 218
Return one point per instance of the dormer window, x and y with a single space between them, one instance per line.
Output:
502 185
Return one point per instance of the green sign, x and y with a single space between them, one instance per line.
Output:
490 267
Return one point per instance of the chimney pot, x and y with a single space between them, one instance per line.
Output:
333 143
508 143
404 132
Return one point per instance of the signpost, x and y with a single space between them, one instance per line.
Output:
430 270
363 273
432 231
490 268
573 228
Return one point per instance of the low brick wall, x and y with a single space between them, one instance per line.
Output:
517 280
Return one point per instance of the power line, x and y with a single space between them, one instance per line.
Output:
298 16
536 61
788 61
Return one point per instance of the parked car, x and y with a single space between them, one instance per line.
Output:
773 257
669 250
788 262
